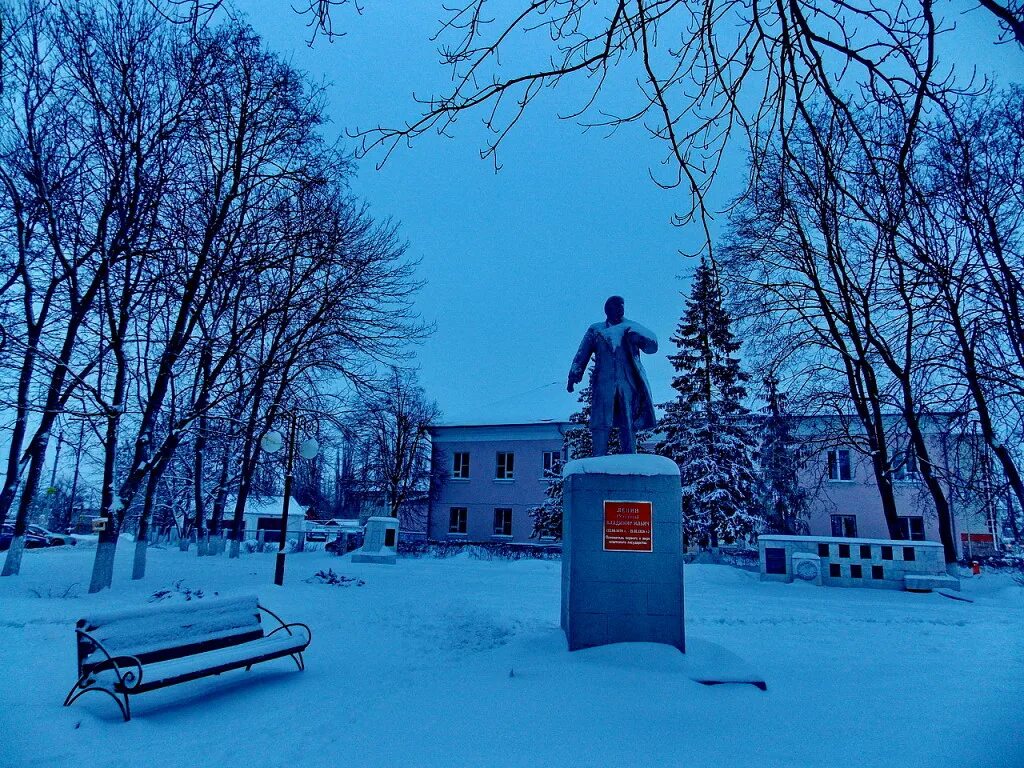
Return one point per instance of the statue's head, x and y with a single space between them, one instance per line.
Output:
615 309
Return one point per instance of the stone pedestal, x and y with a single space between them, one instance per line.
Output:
622 552
380 542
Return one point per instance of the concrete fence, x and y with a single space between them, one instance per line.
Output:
845 562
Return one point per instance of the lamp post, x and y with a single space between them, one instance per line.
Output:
308 449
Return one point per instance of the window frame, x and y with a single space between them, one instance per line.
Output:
906 470
843 520
551 461
461 466
501 533
505 470
906 525
457 515
835 467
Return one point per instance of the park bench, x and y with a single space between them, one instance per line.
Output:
129 652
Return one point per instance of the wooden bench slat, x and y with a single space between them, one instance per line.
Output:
166 628
185 668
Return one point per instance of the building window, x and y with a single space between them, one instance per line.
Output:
909 554
823 550
856 572
839 467
886 552
877 572
457 520
552 463
460 466
506 466
835 571
905 466
844 526
844 551
865 551
502 522
912 528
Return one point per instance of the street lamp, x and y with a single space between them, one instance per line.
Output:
272 442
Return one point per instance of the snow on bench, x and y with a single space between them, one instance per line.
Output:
127 652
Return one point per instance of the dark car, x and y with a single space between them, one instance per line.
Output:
52 539
344 544
32 541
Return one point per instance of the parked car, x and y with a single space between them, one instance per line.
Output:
350 541
32 541
53 539
328 530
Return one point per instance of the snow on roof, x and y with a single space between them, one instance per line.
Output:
622 464
269 506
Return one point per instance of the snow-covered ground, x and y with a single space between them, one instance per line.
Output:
460 662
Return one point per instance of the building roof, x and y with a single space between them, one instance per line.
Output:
486 424
525 431
272 506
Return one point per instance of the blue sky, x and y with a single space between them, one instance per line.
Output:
518 263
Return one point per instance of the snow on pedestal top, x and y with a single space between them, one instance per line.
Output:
622 464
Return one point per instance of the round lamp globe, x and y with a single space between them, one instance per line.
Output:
309 448
272 442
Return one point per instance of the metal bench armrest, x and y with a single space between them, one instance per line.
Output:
128 678
285 626
288 628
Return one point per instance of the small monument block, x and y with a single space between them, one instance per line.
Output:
380 542
622 551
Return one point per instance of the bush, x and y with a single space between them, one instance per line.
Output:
480 550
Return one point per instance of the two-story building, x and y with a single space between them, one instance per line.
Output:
494 473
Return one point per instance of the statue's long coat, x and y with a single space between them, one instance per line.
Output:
596 344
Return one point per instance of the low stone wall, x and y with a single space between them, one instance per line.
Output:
840 562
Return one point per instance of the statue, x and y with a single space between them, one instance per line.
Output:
621 395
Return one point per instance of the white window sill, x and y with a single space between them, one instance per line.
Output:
457 535
459 479
501 535
851 480
504 479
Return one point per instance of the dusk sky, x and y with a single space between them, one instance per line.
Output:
517 263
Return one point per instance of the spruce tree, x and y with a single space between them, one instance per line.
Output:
706 430
783 500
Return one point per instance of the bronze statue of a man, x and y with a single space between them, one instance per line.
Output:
621 396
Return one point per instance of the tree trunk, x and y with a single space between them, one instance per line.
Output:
198 477
142 540
973 379
942 508
37 456
15 462
103 565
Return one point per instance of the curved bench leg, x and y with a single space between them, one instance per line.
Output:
122 700
299 661
79 684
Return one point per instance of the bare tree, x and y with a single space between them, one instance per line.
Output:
392 428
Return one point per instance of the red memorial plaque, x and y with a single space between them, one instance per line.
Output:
627 526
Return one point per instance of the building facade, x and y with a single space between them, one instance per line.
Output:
492 474
836 470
